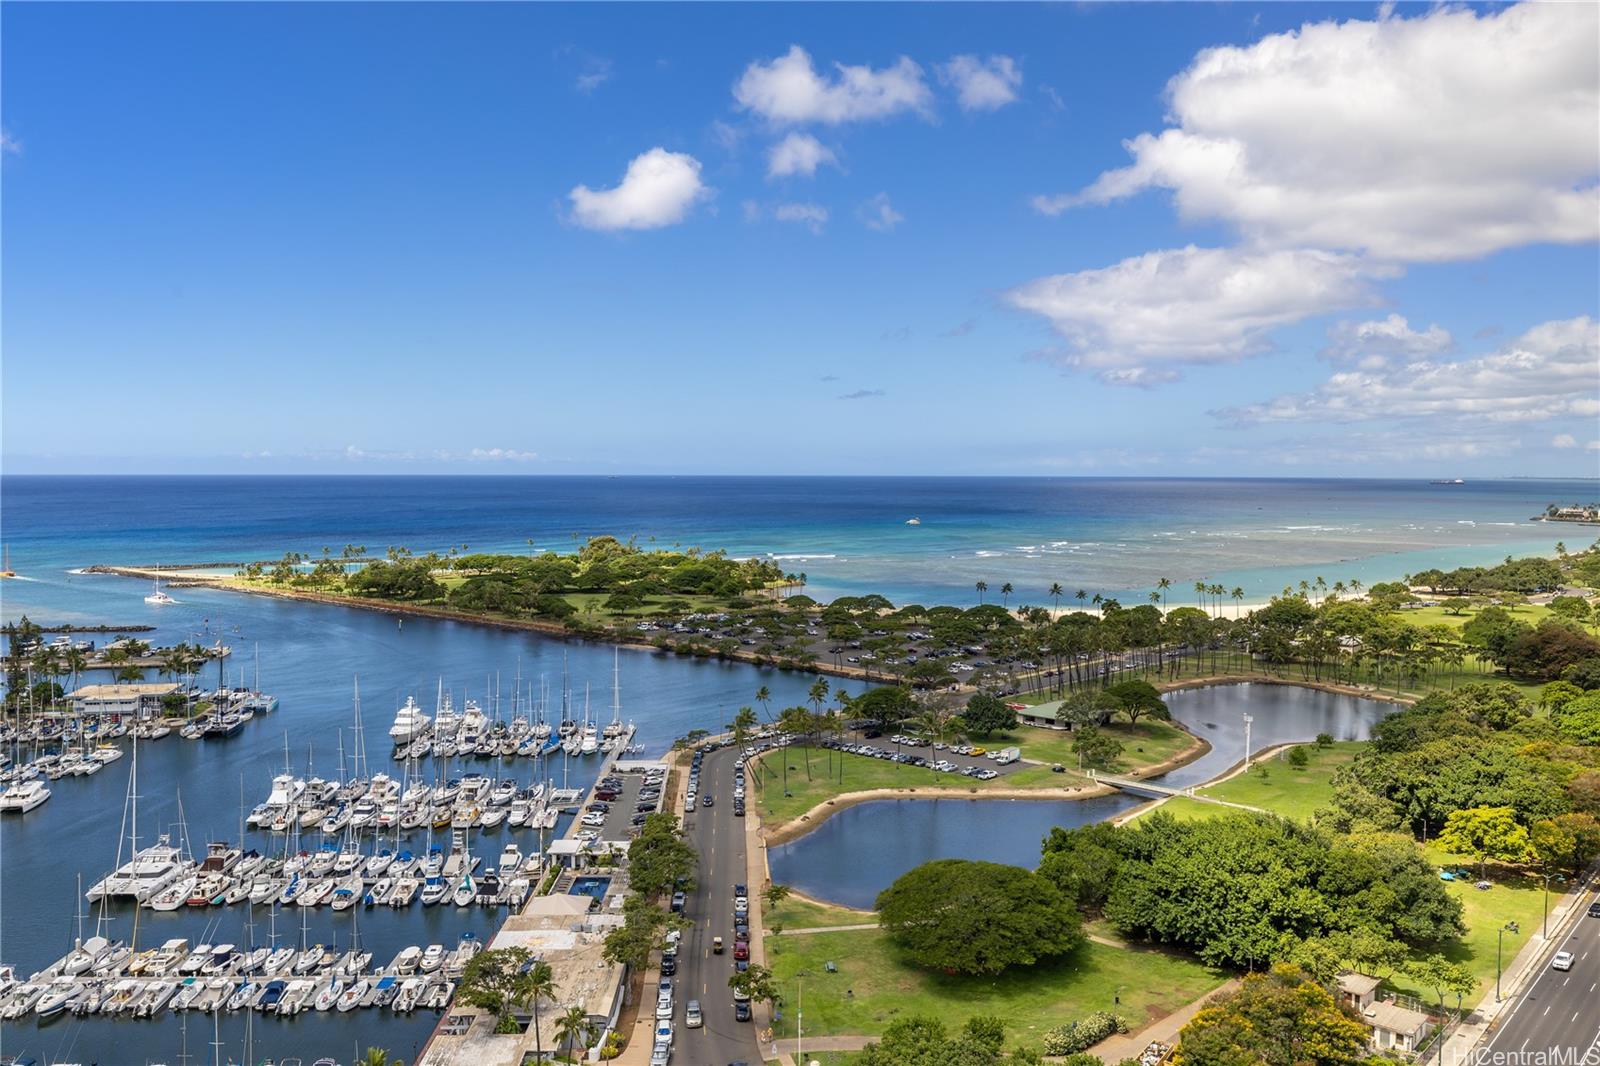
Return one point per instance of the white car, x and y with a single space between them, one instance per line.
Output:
692 1017
664 1007
1563 961
663 1032
660 1055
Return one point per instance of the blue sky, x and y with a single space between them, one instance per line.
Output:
1188 239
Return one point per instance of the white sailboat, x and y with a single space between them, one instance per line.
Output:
157 596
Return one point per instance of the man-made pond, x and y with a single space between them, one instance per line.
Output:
860 850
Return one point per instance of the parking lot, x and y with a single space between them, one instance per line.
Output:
623 807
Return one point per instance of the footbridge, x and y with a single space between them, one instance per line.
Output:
1137 787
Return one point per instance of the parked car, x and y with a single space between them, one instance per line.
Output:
741 950
741 1011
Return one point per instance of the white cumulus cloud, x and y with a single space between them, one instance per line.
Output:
813 216
658 190
798 153
1369 345
1563 440
1134 321
982 84
1551 371
789 89
1450 135
879 214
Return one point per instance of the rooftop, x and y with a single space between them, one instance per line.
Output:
123 692
1393 1018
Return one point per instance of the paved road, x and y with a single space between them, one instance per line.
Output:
1558 1017
719 838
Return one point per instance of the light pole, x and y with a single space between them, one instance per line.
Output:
1500 936
800 1018
1247 721
1547 904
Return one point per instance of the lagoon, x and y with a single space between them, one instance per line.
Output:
858 851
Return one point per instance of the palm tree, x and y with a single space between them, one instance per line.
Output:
540 983
1322 586
1355 586
1080 596
1238 597
1164 584
1005 591
982 587
741 725
377 1056
1055 594
764 697
574 1028
1199 593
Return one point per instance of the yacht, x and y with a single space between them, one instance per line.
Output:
147 873
510 859
409 723
23 797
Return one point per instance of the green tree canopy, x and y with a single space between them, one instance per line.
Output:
978 917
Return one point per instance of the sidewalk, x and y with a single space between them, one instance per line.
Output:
1117 1048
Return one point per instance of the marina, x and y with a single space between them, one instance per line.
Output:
105 977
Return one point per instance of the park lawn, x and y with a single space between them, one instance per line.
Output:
1293 792
796 913
882 987
861 773
1516 896
1145 743
1531 613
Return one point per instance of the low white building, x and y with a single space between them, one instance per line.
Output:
133 700
1396 1028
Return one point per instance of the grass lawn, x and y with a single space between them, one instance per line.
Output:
1290 791
884 988
1143 744
795 913
1514 897
1530 613
861 773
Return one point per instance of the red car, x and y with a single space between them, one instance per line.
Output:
741 950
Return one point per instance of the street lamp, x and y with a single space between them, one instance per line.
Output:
1247 721
800 1018
1500 935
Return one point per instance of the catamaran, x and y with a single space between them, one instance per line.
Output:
157 596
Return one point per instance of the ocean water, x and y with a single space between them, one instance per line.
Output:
1115 537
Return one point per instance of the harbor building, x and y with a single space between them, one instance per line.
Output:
129 700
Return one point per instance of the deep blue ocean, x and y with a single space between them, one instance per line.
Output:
1114 537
